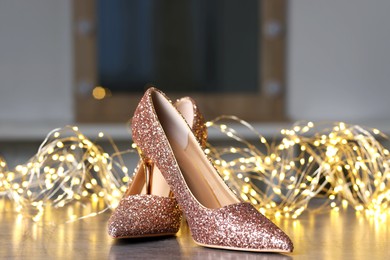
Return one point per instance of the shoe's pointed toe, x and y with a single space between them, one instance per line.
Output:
282 242
238 227
264 234
276 239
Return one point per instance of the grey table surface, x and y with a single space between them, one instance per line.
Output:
330 235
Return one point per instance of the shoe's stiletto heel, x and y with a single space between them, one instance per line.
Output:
216 217
148 207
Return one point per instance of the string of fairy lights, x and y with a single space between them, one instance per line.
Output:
68 167
345 164
338 163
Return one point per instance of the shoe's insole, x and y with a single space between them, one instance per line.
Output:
201 177
158 185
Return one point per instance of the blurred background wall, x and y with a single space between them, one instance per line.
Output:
338 60
36 61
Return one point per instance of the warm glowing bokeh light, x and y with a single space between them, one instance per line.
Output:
100 92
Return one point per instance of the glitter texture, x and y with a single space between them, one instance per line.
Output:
237 226
145 215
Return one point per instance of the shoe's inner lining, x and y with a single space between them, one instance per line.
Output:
158 185
201 177
185 107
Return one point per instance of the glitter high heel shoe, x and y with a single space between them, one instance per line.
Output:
216 217
148 208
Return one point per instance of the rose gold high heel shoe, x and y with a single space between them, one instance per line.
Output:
216 217
148 208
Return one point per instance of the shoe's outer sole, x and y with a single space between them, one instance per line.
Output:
146 236
263 250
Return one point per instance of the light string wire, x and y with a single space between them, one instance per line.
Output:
67 168
344 164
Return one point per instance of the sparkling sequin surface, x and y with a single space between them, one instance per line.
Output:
144 215
238 226
148 215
